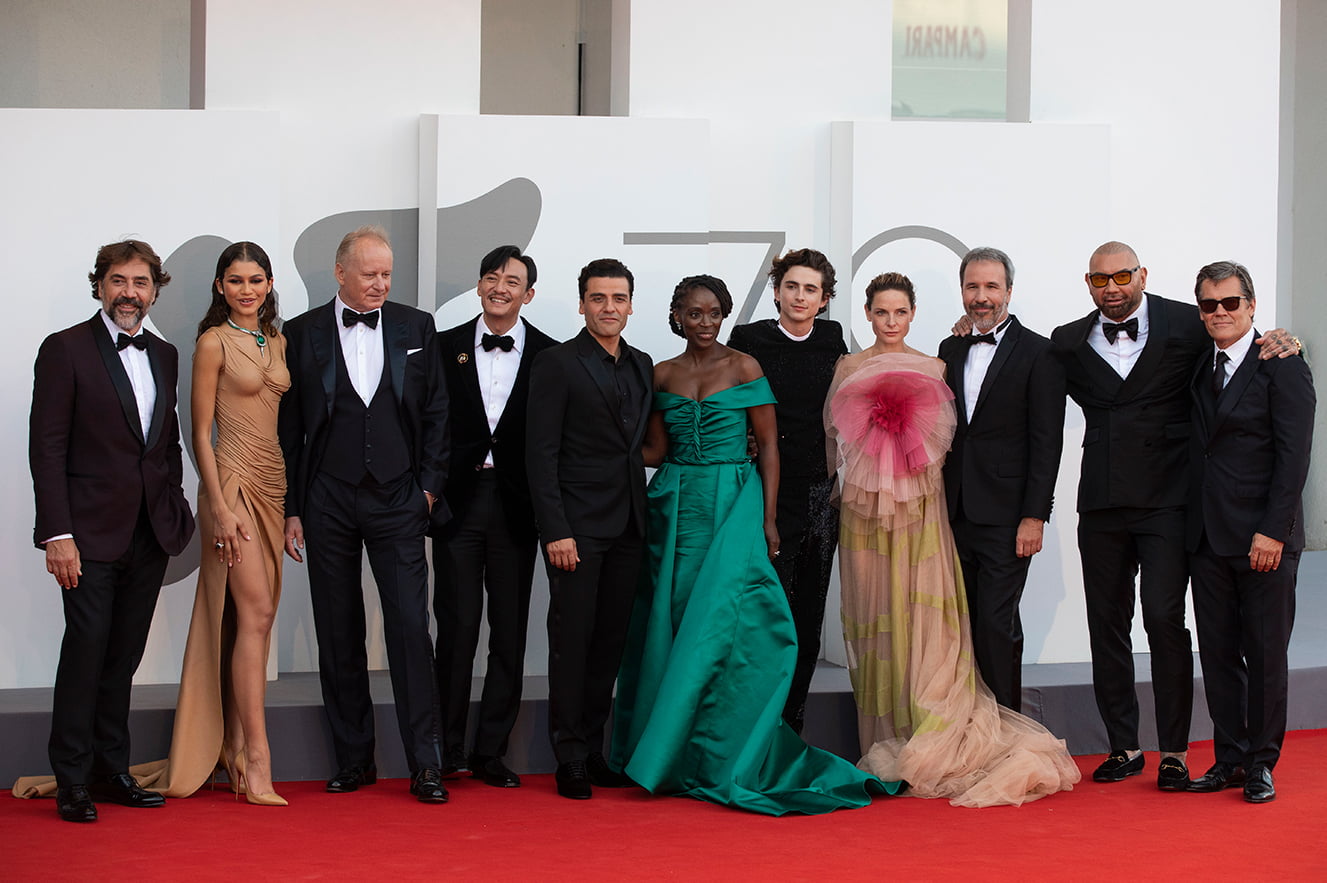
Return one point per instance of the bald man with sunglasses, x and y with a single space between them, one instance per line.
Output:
1127 365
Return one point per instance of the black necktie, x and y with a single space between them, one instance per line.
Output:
503 342
124 340
349 317
1112 330
1219 373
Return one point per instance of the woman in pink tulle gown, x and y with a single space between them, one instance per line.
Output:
924 714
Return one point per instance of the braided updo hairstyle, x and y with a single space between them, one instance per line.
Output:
713 284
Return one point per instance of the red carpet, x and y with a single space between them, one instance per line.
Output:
1097 832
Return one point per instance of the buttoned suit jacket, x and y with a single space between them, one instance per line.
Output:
587 476
1250 454
91 467
312 346
471 439
1005 456
1136 439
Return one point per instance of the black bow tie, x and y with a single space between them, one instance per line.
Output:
1112 330
503 342
349 317
988 337
124 340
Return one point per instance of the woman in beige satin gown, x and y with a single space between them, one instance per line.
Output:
239 377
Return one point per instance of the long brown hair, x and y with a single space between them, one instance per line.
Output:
219 311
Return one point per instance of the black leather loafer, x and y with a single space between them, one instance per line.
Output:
1258 787
427 786
348 779
1218 778
1118 767
492 771
74 804
602 775
122 789
1172 775
573 780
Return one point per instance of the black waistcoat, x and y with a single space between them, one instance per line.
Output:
365 444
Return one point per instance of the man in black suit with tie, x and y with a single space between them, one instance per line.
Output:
491 541
1252 430
364 432
1000 474
1127 365
589 404
104 449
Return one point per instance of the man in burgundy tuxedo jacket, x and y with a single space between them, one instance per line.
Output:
105 456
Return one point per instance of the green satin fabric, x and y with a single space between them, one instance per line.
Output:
711 647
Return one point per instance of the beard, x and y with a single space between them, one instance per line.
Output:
124 321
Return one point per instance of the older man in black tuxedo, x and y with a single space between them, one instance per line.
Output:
364 432
589 404
490 543
1000 474
104 448
1252 430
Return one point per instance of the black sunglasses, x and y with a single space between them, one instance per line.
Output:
1229 304
1123 277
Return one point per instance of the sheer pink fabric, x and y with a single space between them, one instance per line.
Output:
924 714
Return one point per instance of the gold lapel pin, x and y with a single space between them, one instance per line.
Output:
462 358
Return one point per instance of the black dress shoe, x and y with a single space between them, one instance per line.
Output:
573 780
453 761
602 775
74 804
1218 778
427 786
1118 767
350 778
122 789
1172 775
1258 788
492 771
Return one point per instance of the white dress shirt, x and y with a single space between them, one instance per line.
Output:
1237 351
1123 354
139 368
497 374
362 348
980 356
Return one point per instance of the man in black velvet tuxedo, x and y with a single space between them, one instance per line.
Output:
589 404
490 543
1252 430
1128 364
104 449
1000 473
364 432
798 351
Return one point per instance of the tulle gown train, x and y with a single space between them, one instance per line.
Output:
924 714
712 646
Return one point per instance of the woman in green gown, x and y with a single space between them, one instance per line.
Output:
712 646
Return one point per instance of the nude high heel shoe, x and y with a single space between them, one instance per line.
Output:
235 772
267 798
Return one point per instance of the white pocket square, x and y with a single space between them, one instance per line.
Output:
413 351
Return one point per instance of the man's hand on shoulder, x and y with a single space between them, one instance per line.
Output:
1279 344
963 327
63 562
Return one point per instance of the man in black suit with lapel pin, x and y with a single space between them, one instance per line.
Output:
1252 430
589 404
490 543
364 432
1127 365
1000 474
104 449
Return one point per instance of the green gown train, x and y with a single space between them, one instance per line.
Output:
712 646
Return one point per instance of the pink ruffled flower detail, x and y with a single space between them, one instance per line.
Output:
892 417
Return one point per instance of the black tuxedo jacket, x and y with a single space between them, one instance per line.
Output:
312 341
1135 445
1005 456
587 477
91 468
1250 454
471 440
